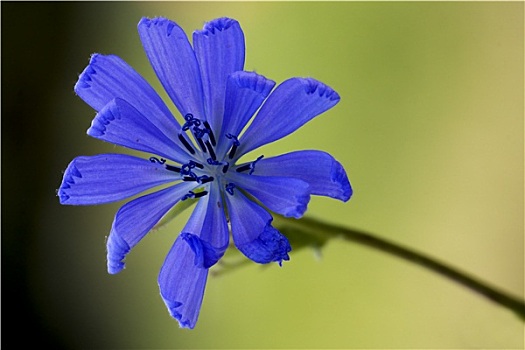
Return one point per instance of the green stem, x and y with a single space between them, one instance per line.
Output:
323 231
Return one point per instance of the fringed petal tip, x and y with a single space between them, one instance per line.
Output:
312 86
271 245
172 309
85 78
117 248
218 24
338 176
157 21
103 118
252 81
70 174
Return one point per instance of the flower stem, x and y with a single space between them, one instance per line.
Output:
323 231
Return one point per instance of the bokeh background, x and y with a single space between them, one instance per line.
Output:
429 128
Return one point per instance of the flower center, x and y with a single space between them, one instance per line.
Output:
205 166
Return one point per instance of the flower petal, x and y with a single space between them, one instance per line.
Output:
253 233
245 92
219 48
136 218
107 178
207 230
182 284
284 195
109 77
293 103
174 62
120 123
325 175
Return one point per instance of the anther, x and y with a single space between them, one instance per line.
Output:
210 133
186 144
235 144
243 168
232 151
225 168
192 194
205 179
200 194
210 149
201 144
172 168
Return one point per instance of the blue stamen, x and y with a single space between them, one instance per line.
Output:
189 195
234 138
199 133
190 121
186 168
249 166
253 164
229 188
225 168
192 194
197 165
235 144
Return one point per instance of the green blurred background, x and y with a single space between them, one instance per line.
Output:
429 128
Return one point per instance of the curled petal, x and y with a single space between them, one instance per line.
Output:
253 233
107 178
136 218
292 103
284 195
205 254
109 77
207 230
174 62
122 124
271 245
219 48
325 175
182 284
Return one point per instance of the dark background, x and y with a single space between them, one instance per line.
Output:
37 54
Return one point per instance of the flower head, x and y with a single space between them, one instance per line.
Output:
199 158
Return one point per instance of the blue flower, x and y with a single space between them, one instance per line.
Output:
198 159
